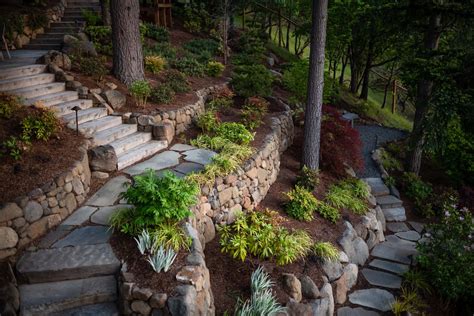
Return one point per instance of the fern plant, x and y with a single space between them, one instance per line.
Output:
162 259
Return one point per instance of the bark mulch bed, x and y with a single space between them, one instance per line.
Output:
41 162
230 278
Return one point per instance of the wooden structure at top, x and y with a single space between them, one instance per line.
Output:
159 11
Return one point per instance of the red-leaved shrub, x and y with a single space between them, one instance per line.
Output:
340 143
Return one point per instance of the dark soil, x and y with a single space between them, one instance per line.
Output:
230 278
126 249
39 163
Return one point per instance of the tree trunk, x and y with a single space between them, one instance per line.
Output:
343 69
364 93
127 48
105 10
288 30
431 42
312 124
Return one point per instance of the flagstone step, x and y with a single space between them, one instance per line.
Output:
43 46
103 309
379 299
389 201
393 267
139 153
22 72
382 279
377 186
39 90
53 98
84 116
92 127
128 142
55 297
65 108
109 135
396 214
23 82
69 263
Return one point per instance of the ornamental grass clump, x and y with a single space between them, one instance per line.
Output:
326 251
350 194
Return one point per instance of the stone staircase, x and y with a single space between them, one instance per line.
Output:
33 84
70 23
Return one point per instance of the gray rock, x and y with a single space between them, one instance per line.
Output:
292 286
55 235
379 299
333 269
100 175
58 59
396 242
161 161
33 211
8 238
358 311
381 217
184 303
326 294
350 275
141 308
158 300
47 265
103 214
384 251
298 309
80 216
89 235
115 98
393 267
410 235
397 227
389 201
395 214
109 194
343 258
10 211
355 247
346 282
419 227
189 167
201 156
308 288
182 147
103 158
382 279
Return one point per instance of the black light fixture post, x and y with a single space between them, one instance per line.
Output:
77 109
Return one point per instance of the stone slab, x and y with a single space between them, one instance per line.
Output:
47 265
53 297
189 167
384 251
382 279
389 201
379 299
80 216
109 194
89 235
104 309
410 235
396 214
419 227
393 267
358 311
182 147
397 227
161 161
200 156
103 214
394 241
55 235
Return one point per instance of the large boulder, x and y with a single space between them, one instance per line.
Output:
115 98
78 46
58 59
292 286
103 158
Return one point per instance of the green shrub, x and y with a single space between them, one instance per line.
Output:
349 194
202 49
156 201
244 59
326 251
12 147
40 125
234 132
214 68
419 191
328 212
13 23
254 111
446 260
100 36
9 104
252 80
190 66
140 90
255 234
391 163
196 18
177 81
252 43
220 104
308 178
94 67
171 235
92 18
158 33
162 94
162 49
155 64
208 121
301 204
409 303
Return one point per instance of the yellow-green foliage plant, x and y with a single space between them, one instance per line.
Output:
155 64
349 194
301 204
326 251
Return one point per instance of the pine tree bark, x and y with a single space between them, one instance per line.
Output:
313 112
364 93
424 89
127 47
105 9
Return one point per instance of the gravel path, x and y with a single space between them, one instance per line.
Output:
371 137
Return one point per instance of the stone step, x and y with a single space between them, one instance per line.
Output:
84 116
79 10
21 72
389 201
377 186
396 214
109 135
68 263
57 36
53 98
73 18
140 152
382 279
379 299
55 297
47 40
103 309
39 90
92 127
43 46
23 82
65 108
393 267
126 143
63 29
